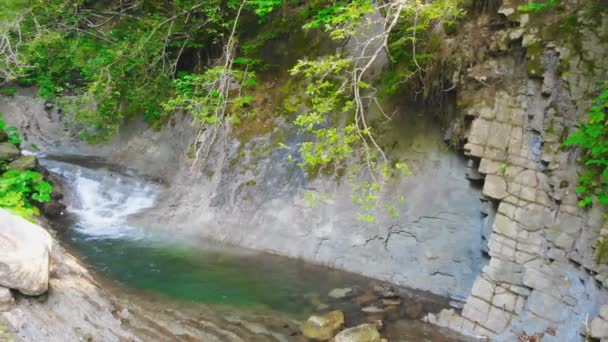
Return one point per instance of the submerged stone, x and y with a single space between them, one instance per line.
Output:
323 327
340 293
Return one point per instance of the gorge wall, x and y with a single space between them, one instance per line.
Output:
522 87
522 101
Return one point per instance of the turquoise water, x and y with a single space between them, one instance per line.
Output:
98 229
227 277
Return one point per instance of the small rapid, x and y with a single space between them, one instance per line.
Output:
103 199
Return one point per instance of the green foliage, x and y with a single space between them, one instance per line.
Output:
11 131
536 6
8 91
202 95
415 42
592 138
262 8
342 18
19 188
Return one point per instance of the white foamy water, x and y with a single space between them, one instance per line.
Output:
104 200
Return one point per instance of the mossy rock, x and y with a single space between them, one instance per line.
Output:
323 327
8 152
24 163
3 135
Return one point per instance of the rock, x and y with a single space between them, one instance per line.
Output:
340 293
604 311
6 299
3 135
52 209
8 152
24 163
323 327
321 307
361 333
599 328
391 301
365 298
24 255
385 291
495 187
415 311
372 309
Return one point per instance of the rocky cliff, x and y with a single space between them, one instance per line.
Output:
522 85
535 80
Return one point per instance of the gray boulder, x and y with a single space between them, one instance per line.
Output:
24 255
8 152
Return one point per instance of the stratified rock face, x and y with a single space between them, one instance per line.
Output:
323 327
362 333
24 255
540 278
8 152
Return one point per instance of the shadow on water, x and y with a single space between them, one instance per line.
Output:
103 197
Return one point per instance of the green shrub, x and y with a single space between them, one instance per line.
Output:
592 138
536 6
19 189
11 131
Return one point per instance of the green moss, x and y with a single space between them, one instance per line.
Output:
601 250
534 60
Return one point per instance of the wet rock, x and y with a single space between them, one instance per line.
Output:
365 298
340 293
372 309
6 299
391 301
8 152
24 255
415 311
323 327
361 333
385 291
24 163
52 209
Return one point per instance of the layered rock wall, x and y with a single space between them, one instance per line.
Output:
522 101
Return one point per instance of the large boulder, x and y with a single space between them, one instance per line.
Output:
24 255
24 163
361 333
323 327
8 152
